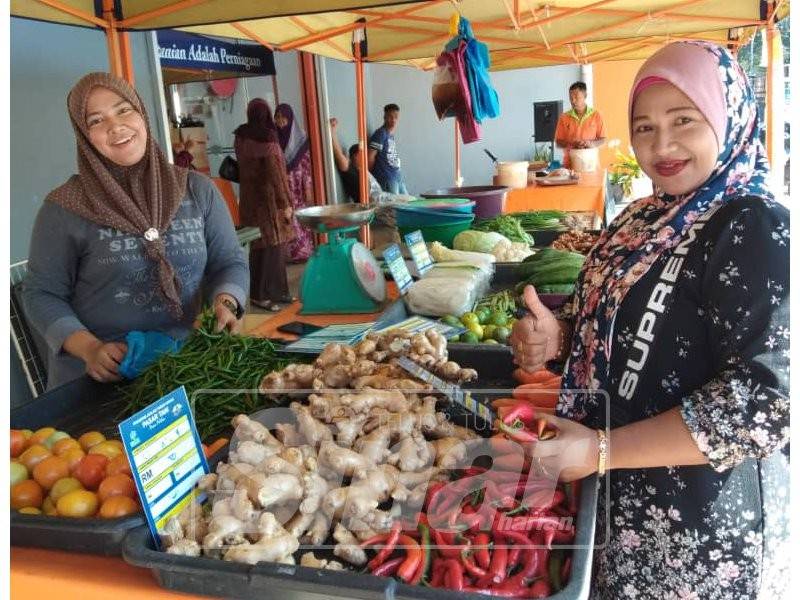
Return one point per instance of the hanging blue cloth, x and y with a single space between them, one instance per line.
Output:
485 102
144 348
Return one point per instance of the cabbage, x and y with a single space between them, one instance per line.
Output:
478 241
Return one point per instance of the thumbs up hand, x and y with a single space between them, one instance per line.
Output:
535 339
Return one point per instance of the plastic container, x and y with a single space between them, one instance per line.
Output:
584 160
461 205
408 216
75 407
490 200
218 578
440 233
512 174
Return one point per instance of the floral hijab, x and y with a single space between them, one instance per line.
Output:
653 226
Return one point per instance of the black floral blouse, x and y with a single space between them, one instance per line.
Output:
722 355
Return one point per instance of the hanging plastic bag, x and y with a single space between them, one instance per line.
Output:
144 348
446 92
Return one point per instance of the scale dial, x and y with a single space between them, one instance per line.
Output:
368 272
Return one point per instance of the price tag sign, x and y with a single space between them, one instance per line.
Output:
419 251
166 457
397 267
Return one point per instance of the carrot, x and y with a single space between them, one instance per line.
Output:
522 376
534 394
215 447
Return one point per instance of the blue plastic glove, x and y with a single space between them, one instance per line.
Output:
144 348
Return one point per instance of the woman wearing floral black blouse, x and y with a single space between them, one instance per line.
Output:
682 318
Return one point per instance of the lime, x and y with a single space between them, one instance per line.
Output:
476 329
470 318
470 338
491 341
454 339
484 314
451 320
488 331
501 334
499 318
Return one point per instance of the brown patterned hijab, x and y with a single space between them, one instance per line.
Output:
141 199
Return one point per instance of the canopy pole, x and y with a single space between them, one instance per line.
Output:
308 79
458 179
770 89
361 116
119 45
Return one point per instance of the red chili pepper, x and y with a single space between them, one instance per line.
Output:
481 546
470 567
539 589
519 435
496 592
414 556
543 499
388 548
388 568
513 463
513 557
474 471
454 575
565 569
575 488
424 564
523 411
529 522
499 564
437 573
444 545
518 537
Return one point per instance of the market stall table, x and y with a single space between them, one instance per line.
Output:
588 194
45 573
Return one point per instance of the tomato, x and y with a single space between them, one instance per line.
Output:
58 435
118 464
78 503
17 472
91 438
106 448
50 470
73 456
49 507
62 445
18 443
64 486
91 470
26 493
30 510
116 485
33 456
118 506
40 435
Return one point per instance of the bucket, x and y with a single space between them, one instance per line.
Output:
489 199
445 234
408 216
512 174
584 160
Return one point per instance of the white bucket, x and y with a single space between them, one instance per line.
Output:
584 160
512 174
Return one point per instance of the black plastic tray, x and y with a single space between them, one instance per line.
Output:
75 407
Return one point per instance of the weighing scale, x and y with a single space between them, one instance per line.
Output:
342 276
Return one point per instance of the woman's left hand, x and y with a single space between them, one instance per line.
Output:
226 319
571 455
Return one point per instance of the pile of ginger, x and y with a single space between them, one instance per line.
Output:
363 448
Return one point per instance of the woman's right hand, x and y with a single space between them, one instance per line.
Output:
103 359
334 123
535 339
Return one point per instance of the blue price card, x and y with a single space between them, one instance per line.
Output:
397 266
166 457
419 251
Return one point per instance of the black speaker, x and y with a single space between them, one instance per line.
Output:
545 119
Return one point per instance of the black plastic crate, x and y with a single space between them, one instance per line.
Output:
76 407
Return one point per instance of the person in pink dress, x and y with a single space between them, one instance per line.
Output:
294 143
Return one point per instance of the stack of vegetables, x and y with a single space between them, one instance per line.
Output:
493 531
541 220
494 243
490 322
550 271
506 225
208 361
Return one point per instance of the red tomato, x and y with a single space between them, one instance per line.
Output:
18 443
91 470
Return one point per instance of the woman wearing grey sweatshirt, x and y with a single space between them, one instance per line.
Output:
130 243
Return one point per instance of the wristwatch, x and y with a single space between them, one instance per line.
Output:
233 306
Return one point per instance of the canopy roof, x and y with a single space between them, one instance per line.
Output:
519 33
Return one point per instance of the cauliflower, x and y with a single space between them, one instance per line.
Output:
506 251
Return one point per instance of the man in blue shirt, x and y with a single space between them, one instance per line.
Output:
384 162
